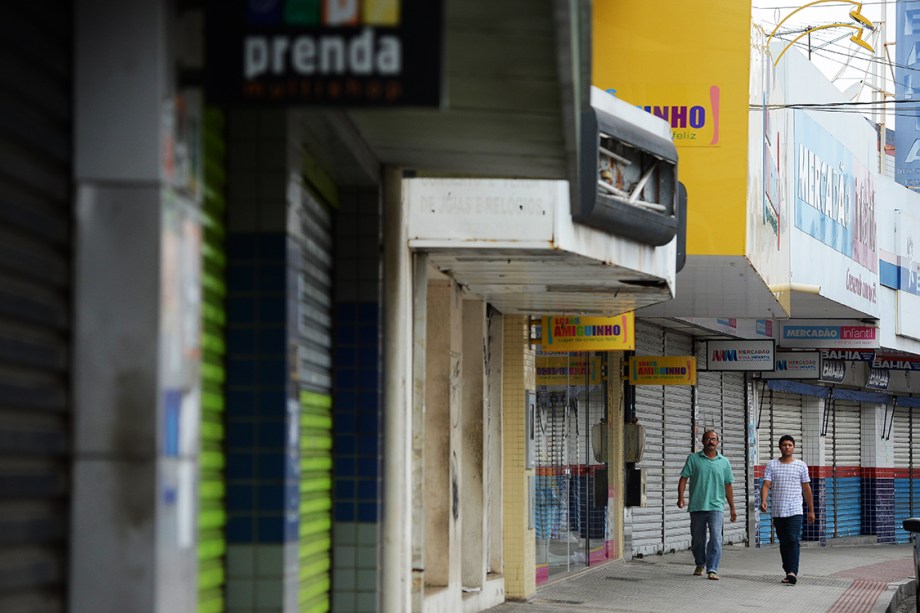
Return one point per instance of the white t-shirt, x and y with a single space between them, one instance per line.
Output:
786 488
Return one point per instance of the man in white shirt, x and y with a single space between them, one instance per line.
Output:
789 481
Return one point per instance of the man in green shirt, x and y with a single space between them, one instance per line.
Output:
710 475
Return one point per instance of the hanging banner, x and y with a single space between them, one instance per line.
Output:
566 334
567 370
833 371
878 378
662 370
795 365
736 355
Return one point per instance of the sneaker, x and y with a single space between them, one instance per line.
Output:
713 575
698 571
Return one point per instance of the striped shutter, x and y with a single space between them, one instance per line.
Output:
843 490
734 435
212 515
647 522
314 301
901 435
678 435
35 308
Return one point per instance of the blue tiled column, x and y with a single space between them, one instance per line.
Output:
357 401
878 503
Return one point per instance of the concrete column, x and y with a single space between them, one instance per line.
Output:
811 450
473 419
615 460
136 370
396 567
877 461
519 541
442 437
494 460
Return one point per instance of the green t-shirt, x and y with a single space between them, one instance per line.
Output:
707 481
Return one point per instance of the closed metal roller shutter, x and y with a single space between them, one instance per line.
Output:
843 490
314 282
676 444
212 516
782 414
904 487
35 308
708 402
733 443
766 438
647 522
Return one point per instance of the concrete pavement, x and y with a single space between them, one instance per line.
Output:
838 579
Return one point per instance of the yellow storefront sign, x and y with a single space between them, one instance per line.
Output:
566 334
662 370
688 63
567 370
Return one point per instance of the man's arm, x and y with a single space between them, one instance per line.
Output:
806 494
764 490
681 485
730 495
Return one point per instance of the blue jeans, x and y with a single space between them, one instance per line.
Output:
789 533
706 554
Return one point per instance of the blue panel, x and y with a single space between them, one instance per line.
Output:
844 507
240 529
241 403
888 274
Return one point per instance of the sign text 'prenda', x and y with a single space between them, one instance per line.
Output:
364 54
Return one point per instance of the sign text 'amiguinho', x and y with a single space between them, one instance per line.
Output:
662 370
568 370
589 333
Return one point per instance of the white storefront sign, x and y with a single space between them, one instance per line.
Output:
795 365
736 355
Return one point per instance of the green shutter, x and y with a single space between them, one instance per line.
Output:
315 500
212 514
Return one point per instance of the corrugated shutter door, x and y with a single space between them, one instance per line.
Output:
679 436
765 425
212 515
843 491
647 521
35 309
903 487
733 442
785 417
315 364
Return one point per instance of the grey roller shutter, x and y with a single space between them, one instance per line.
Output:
677 443
647 522
780 415
35 307
734 434
843 490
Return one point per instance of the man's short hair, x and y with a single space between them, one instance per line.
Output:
787 437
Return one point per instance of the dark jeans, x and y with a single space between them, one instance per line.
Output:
789 533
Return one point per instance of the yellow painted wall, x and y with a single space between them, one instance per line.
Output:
694 56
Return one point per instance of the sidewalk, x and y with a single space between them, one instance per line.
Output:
863 579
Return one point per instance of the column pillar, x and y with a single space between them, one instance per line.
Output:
811 450
877 461
519 541
136 364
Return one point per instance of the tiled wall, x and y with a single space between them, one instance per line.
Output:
357 400
519 540
261 575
